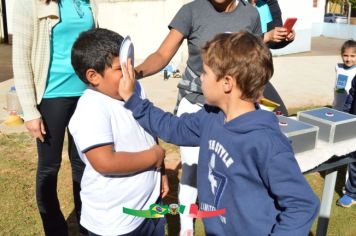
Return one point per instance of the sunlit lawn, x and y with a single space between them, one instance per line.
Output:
19 211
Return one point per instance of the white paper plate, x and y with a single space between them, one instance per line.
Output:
126 51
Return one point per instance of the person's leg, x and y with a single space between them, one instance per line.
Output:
77 167
349 198
271 93
49 161
188 187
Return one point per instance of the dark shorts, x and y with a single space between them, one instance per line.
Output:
149 227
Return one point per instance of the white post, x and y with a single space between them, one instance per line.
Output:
349 12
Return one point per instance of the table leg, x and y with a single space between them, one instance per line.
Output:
326 203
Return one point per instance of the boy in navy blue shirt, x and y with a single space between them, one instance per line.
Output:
246 165
349 198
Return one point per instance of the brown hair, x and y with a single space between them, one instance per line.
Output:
244 57
348 44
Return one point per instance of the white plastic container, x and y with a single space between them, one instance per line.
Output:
12 102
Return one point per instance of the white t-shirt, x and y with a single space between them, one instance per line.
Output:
343 81
98 120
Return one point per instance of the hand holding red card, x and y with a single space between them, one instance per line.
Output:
289 23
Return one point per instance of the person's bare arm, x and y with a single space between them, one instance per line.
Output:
160 58
106 161
276 35
164 182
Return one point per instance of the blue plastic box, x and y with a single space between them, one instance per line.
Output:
303 136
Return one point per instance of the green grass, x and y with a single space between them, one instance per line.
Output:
18 208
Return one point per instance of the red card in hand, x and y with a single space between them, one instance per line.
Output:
289 23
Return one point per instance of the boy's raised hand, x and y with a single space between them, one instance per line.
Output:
127 83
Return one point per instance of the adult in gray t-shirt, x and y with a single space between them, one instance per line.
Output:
197 22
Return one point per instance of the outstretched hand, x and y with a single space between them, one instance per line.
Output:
127 82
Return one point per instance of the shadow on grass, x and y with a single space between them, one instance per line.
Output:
73 226
340 180
173 222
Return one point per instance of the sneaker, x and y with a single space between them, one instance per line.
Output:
346 201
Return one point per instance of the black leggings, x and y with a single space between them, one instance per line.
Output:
351 181
272 94
56 113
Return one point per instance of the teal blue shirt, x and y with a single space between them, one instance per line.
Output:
76 17
265 14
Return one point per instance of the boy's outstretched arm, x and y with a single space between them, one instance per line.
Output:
183 131
106 161
298 204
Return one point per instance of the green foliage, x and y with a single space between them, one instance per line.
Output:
353 3
342 2
337 1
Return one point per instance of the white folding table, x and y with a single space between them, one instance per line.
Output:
326 157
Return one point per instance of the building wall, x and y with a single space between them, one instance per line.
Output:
332 30
145 21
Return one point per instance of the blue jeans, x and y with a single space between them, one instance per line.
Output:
149 227
56 113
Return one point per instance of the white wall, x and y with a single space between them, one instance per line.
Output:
332 30
145 21
318 12
150 18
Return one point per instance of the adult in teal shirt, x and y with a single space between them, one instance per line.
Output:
44 32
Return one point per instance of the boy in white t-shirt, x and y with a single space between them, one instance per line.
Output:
122 160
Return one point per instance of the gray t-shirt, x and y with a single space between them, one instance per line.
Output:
199 22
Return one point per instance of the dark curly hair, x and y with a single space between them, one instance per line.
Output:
95 49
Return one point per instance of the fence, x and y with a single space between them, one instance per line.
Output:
333 30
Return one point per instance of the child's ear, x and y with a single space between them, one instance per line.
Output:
93 77
228 83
